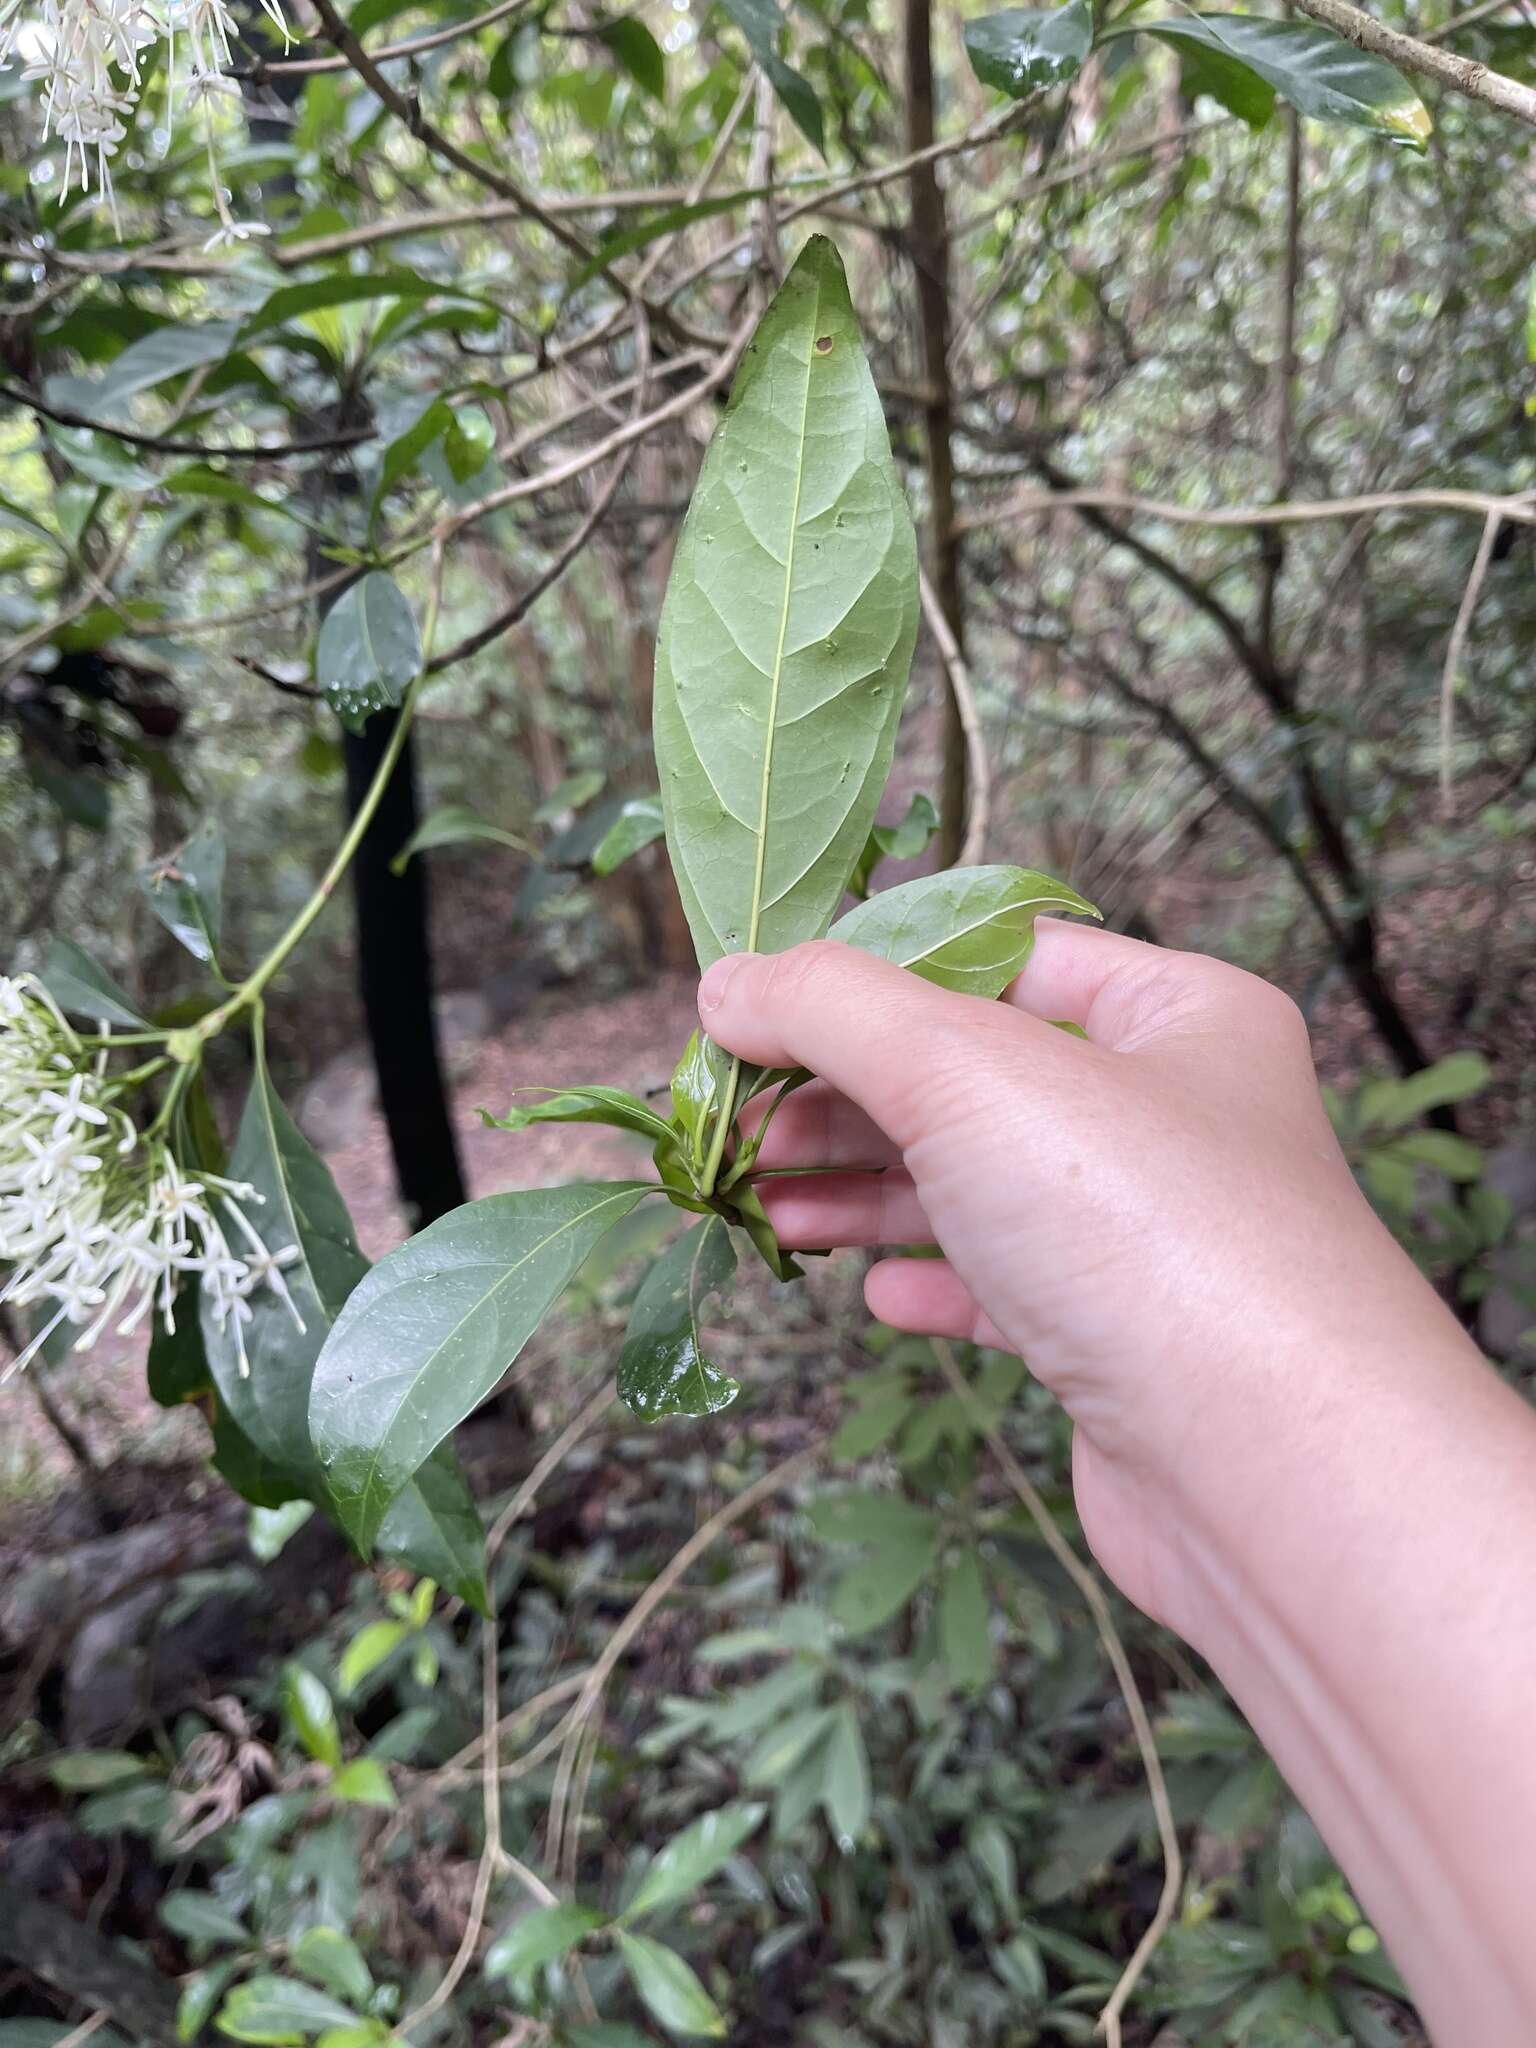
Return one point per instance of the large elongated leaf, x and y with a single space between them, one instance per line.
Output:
453 825
368 649
787 631
760 21
1317 72
78 985
167 352
670 1988
692 1857
662 1368
543 1936
298 1207
970 929
435 1527
1021 51
432 1328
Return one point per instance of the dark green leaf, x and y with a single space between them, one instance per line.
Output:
453 825
1022 52
256 1478
669 1988
198 481
592 1104
540 1937
753 1217
662 1368
368 650
200 1917
310 1716
964 1634
761 22
298 1207
200 1993
291 301
691 1858
903 841
93 1770
637 825
167 352
185 890
845 1794
969 929
434 1526
177 1367
100 457
787 631
433 1327
78 985
1317 72
638 51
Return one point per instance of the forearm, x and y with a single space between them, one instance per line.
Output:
1364 1581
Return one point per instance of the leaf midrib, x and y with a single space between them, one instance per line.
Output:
760 863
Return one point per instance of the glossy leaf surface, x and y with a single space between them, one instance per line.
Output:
368 649
761 22
1315 71
787 631
542 1936
662 1368
1022 51
969 929
432 1328
692 1857
434 1526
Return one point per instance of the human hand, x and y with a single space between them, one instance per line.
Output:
1158 1219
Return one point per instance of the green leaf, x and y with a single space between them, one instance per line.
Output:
434 1526
278 2012
318 295
693 1857
468 443
82 988
1456 1078
989 1842
969 929
176 1370
368 650
433 1327
652 226
453 825
258 1479
540 1937
904 841
1317 72
332 1960
100 457
884 1519
185 890
845 1793
167 352
93 1770
662 1367
669 1988
964 1634
298 1206
588 1104
201 1992
791 1737
1457 1158
787 631
760 21
638 51
368 1649
310 1715
363 1782
637 825
571 794
872 1424
200 1917
198 481
1022 52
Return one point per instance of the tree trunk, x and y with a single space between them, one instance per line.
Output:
394 967
928 246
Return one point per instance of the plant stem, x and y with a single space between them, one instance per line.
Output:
722 1129
250 989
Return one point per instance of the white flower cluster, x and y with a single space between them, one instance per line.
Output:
88 52
95 1221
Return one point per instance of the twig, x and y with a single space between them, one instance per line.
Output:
1460 74
1519 508
292 255
306 67
590 1698
528 1492
1454 650
1114 1649
1458 22
77 2036
978 768
161 444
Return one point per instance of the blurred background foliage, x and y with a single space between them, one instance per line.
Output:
1113 325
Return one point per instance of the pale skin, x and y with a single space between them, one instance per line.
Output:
1286 1448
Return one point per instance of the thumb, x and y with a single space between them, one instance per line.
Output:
876 1032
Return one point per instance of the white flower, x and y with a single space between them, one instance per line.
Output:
95 1231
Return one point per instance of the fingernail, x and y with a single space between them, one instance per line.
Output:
717 979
